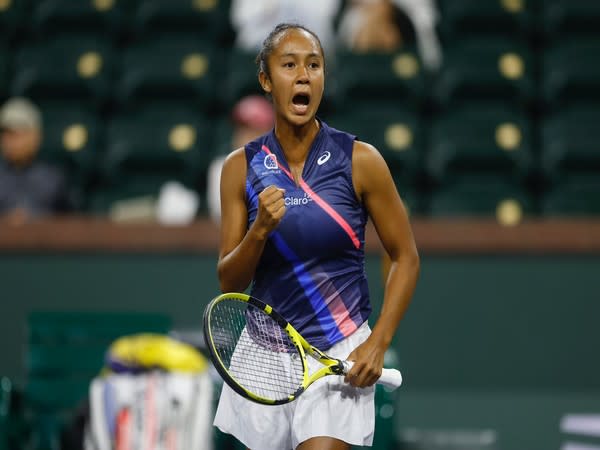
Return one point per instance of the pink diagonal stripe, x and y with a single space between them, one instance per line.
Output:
342 318
332 212
322 203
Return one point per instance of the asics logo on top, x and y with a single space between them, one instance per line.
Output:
270 161
323 158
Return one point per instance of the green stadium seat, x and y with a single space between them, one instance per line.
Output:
65 352
160 138
482 138
77 328
571 71
131 199
573 196
562 18
569 141
385 411
241 78
44 360
365 77
5 408
149 146
490 67
14 426
5 60
65 66
483 196
57 394
460 18
167 67
50 16
395 131
208 17
223 129
13 14
72 133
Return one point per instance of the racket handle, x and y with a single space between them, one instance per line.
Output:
390 378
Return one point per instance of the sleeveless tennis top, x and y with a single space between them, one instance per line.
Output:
312 268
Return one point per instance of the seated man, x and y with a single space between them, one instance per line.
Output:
28 188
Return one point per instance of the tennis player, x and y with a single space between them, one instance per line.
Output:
294 205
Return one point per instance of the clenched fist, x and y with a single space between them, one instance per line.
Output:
271 208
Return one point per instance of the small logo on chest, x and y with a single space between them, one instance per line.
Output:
270 161
323 158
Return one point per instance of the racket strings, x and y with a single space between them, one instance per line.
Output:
267 333
256 352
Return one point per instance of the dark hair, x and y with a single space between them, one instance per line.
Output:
269 44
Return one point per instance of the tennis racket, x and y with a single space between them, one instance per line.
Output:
261 356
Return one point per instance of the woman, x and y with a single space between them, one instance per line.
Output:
294 206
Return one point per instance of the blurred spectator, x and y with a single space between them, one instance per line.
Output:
251 117
28 188
252 20
375 25
387 25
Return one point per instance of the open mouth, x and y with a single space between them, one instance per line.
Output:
300 103
301 99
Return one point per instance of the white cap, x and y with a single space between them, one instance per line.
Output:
177 205
20 113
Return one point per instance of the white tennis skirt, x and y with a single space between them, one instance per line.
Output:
329 407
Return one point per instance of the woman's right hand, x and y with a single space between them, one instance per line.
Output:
271 208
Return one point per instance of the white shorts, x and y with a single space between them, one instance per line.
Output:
329 407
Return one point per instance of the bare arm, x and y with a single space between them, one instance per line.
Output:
375 186
241 248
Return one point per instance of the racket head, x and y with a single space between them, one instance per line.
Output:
254 349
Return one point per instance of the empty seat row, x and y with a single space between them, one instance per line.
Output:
186 66
489 137
549 18
87 67
470 196
160 141
481 137
115 17
509 202
458 17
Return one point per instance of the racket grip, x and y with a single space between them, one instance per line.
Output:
390 378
